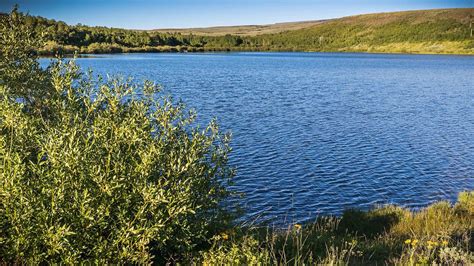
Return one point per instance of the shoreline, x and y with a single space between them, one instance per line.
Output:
85 55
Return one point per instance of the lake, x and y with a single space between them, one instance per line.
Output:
317 133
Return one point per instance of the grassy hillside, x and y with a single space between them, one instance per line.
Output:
244 30
442 31
429 31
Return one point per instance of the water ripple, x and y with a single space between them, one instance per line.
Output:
318 133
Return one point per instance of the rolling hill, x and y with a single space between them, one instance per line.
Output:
426 31
245 30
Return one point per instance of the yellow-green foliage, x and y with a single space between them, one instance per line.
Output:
438 220
52 47
466 202
99 171
246 251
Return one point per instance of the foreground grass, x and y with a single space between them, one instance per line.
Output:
438 234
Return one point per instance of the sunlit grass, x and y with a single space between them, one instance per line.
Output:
440 233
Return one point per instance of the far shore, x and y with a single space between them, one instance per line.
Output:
200 51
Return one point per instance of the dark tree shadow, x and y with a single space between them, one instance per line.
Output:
367 224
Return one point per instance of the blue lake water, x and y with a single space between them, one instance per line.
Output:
318 133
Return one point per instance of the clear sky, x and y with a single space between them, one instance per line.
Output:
152 14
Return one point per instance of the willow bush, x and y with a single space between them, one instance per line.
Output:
100 170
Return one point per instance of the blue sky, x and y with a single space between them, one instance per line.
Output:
149 14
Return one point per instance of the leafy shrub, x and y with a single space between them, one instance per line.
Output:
100 170
99 48
466 202
247 251
52 47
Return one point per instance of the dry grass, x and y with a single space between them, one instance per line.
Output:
378 19
415 16
245 30
439 47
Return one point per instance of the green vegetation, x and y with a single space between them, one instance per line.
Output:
441 31
433 31
440 234
92 171
107 171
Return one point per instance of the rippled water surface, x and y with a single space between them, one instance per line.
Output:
319 133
